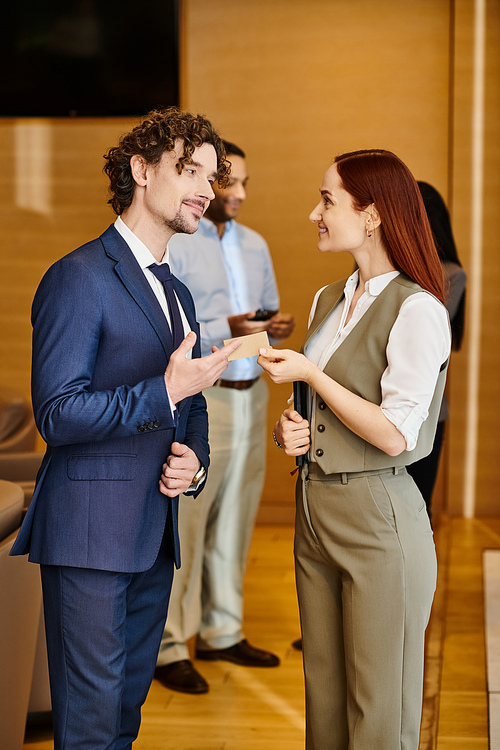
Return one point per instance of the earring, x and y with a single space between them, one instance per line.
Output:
368 233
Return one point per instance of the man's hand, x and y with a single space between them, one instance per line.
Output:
178 470
242 325
293 433
185 377
281 326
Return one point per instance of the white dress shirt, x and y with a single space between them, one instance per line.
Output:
419 343
145 258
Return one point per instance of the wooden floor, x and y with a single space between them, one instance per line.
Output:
252 709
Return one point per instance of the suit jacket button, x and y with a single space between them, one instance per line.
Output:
156 424
319 452
321 428
141 428
149 425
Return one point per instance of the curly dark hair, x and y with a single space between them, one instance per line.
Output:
156 133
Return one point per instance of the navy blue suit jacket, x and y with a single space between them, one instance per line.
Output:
101 344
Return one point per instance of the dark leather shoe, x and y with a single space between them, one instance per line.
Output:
241 653
297 645
182 676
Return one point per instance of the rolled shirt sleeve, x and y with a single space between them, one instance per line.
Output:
419 344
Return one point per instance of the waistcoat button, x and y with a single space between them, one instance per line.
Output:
321 405
319 452
321 428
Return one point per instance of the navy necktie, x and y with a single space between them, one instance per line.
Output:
162 272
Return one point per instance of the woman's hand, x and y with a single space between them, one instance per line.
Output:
293 433
285 365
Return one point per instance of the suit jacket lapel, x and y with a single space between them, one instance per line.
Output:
186 301
137 285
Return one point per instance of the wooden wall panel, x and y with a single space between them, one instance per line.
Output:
488 474
485 460
294 83
47 209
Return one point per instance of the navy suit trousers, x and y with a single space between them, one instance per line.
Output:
103 634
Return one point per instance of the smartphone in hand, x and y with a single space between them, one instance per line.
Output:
264 314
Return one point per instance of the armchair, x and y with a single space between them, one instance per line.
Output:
20 608
19 461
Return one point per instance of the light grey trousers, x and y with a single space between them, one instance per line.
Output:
366 576
215 528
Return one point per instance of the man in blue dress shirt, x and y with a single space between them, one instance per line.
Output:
229 271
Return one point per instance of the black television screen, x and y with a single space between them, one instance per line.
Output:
88 58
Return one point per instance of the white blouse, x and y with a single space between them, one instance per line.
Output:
419 343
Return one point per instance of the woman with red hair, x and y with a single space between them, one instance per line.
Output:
372 372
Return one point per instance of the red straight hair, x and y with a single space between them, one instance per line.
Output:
380 177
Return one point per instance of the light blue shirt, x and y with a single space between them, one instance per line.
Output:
226 277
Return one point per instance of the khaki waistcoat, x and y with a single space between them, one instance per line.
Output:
358 364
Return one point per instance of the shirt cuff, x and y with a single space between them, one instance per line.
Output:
407 420
196 485
173 408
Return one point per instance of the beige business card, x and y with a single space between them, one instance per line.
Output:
249 346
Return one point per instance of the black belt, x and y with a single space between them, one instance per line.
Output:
239 385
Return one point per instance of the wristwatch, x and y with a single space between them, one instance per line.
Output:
200 474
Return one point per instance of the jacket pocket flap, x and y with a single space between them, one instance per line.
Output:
114 467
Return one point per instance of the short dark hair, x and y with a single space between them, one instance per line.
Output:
156 133
233 149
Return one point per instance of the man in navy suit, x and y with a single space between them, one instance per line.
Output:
117 400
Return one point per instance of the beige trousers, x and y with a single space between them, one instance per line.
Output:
215 528
366 575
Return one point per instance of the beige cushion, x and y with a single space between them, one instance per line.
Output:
13 412
21 468
20 603
11 508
